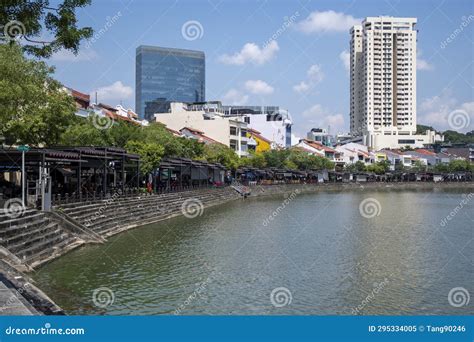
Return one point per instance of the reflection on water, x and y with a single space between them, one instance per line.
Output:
329 258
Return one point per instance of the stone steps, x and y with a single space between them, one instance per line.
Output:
107 218
138 214
34 237
17 229
91 208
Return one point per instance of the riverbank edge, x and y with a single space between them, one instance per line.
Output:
46 306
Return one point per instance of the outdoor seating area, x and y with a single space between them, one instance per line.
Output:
177 174
60 174
270 176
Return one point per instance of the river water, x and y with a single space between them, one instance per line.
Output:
367 252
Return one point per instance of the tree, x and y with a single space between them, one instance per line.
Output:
83 132
421 129
458 138
25 21
459 165
418 166
218 153
34 109
150 154
276 158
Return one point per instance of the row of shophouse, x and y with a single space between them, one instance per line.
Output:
351 153
252 128
243 129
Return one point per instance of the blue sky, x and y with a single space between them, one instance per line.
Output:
302 70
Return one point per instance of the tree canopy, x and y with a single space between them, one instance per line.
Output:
28 21
34 108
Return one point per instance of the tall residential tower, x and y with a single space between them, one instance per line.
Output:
383 83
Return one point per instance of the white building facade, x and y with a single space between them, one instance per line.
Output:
272 122
208 118
383 83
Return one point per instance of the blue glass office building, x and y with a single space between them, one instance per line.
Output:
164 75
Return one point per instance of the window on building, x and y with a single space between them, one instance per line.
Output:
233 130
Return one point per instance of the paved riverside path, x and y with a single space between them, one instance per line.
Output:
12 303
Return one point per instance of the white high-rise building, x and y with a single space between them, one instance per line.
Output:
383 83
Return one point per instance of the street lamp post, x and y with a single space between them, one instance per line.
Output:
23 149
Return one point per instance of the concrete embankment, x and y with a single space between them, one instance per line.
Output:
286 189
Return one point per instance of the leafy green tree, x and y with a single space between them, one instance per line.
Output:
34 109
83 132
26 21
459 165
458 138
421 129
190 148
419 166
258 160
276 158
150 153
218 153
122 132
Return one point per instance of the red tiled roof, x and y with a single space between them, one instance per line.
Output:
106 106
424 151
319 146
201 136
257 134
192 130
115 116
172 131
251 130
80 96
301 148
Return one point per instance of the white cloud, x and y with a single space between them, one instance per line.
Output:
67 56
435 111
315 73
114 93
345 58
327 21
235 97
318 116
258 87
301 87
422 64
251 53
